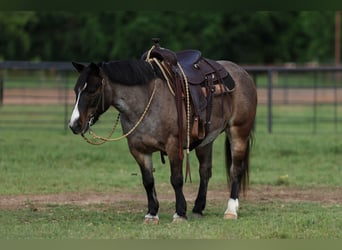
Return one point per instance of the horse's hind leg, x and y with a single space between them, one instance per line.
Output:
204 156
237 164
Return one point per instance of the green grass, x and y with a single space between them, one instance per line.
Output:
45 117
301 119
308 160
43 161
63 163
257 221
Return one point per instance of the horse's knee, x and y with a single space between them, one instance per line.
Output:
176 181
205 172
147 178
148 184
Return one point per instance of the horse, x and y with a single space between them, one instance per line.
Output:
148 117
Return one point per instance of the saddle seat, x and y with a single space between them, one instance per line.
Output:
197 68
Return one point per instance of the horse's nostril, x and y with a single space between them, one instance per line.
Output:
75 127
72 129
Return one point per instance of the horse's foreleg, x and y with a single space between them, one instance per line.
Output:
145 164
176 179
177 184
204 156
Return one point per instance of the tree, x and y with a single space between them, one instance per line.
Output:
245 37
15 40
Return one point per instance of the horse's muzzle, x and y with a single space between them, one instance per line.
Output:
77 128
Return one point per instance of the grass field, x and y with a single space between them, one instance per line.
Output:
45 170
44 163
257 221
53 185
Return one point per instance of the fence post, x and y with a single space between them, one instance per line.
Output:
315 104
1 91
336 105
254 76
66 83
269 101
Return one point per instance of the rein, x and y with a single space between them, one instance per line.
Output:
98 140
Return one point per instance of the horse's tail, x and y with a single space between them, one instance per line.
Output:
244 181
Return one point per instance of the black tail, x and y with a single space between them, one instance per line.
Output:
244 181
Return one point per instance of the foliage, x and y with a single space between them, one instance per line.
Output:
244 37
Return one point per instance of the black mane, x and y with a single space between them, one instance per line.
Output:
130 72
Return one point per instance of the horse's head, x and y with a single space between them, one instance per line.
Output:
90 98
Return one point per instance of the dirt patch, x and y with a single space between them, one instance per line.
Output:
23 96
325 195
61 96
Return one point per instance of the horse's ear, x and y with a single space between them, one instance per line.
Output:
79 67
95 67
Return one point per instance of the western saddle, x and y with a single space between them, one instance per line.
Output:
202 77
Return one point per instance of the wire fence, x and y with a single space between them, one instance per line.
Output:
299 99
39 96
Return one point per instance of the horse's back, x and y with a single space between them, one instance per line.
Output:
244 96
239 74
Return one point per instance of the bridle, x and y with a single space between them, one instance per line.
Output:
101 99
98 140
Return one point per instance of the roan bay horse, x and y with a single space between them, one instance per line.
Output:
139 91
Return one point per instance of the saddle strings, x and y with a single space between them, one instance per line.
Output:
188 172
163 70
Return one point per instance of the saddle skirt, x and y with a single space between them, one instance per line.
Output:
197 69
206 78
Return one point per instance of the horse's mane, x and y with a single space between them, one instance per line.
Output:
129 72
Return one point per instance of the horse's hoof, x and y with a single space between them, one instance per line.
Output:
232 208
178 219
230 216
197 215
151 219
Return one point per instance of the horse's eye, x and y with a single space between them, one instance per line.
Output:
88 88
91 90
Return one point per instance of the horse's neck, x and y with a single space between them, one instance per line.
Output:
130 101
